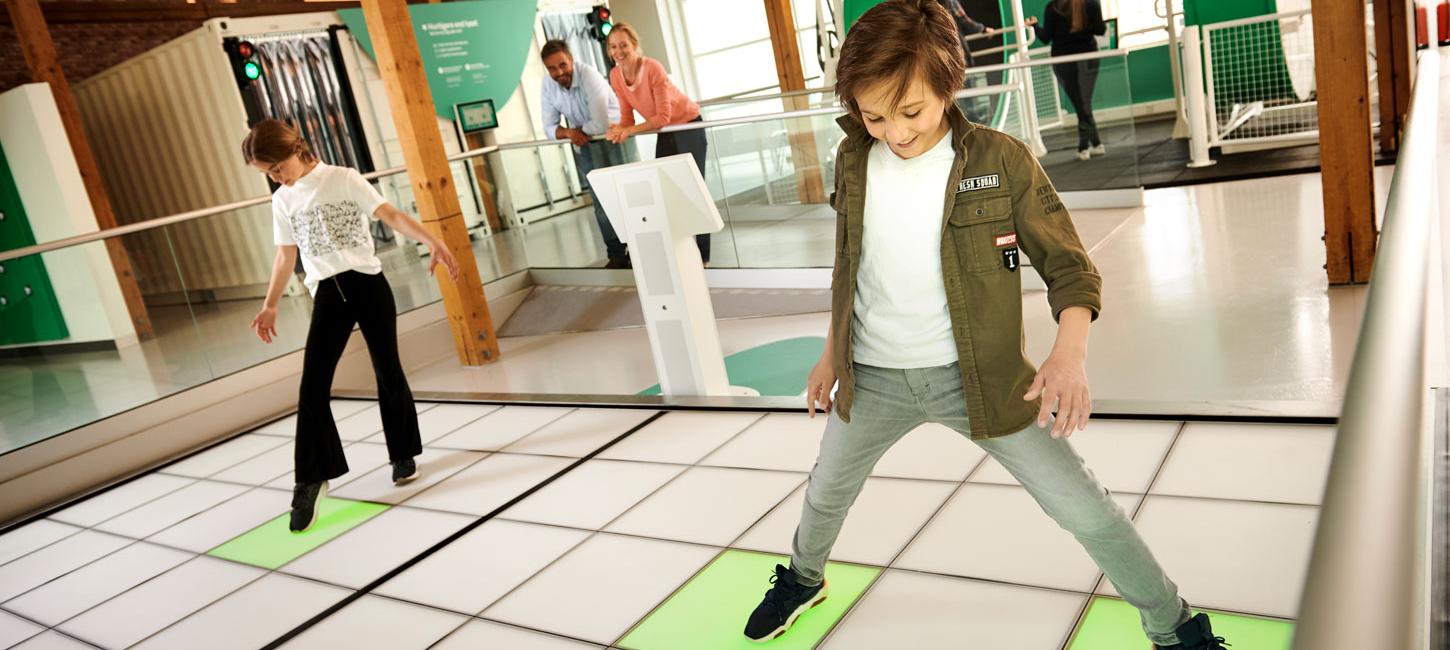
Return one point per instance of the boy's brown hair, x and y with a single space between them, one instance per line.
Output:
896 41
273 141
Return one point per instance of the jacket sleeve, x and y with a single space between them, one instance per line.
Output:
1095 19
1044 26
840 274
1046 234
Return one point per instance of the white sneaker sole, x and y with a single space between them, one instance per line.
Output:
316 506
777 632
408 479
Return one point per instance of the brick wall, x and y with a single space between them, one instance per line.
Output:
87 48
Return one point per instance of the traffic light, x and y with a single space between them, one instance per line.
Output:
245 63
599 23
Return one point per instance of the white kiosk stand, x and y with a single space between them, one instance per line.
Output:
657 207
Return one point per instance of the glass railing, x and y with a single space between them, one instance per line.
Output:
202 278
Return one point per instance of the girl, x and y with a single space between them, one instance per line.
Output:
1069 26
926 319
642 84
323 211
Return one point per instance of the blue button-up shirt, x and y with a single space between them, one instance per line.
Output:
588 103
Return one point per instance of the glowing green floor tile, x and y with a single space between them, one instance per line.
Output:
777 369
1112 624
709 613
272 545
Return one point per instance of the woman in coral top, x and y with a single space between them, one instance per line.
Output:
642 85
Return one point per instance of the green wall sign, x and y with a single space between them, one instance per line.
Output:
471 50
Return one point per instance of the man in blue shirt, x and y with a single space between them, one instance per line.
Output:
581 98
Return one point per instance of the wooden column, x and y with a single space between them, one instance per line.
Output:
411 102
788 69
44 66
479 166
1345 152
1392 59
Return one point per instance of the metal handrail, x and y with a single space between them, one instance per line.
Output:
1366 574
171 220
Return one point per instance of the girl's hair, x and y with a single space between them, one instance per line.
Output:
628 31
897 41
273 141
1075 11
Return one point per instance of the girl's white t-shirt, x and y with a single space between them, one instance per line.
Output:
900 316
325 213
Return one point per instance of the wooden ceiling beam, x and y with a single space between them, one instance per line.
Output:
140 11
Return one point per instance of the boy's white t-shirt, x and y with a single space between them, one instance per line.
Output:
325 213
900 316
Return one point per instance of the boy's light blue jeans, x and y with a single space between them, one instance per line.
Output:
890 403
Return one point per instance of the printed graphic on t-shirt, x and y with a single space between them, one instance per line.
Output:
329 228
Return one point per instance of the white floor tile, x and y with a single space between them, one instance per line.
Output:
444 419
434 466
602 588
53 641
360 425
580 433
1246 557
1252 462
682 437
56 560
373 622
501 428
780 441
95 583
478 569
250 618
594 493
342 408
232 452
1124 455
488 634
263 468
119 499
708 505
155 516
998 532
32 536
489 483
923 612
362 459
145 610
887 514
931 451
377 546
215 526
287 427
14 629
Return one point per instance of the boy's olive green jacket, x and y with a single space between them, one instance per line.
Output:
997 200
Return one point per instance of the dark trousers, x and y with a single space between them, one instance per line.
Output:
1077 81
598 155
344 300
693 143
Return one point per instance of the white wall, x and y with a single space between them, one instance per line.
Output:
57 206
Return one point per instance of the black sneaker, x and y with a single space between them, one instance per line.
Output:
1196 634
618 263
783 604
306 497
404 471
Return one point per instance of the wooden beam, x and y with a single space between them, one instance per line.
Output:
1346 157
479 166
401 66
788 69
40 57
140 11
1392 60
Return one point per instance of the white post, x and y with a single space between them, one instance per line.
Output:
1197 113
1180 125
1024 77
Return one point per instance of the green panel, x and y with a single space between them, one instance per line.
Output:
471 50
709 612
1151 74
1112 624
29 309
272 545
1203 12
776 369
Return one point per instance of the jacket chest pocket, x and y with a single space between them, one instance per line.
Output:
977 224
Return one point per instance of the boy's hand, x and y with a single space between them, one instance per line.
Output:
265 324
818 386
1062 382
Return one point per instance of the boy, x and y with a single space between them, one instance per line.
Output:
926 318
